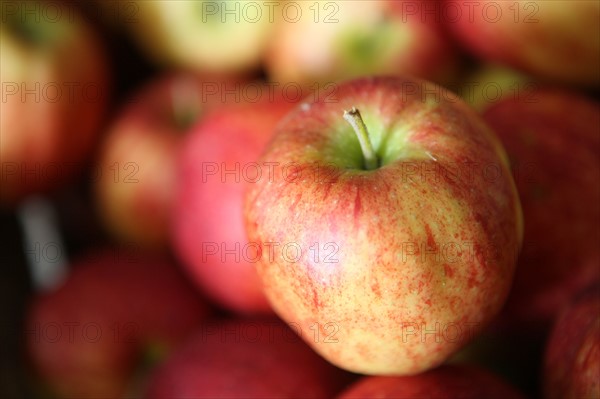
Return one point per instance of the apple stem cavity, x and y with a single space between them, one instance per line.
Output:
356 121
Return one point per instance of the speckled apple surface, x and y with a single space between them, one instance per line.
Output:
392 270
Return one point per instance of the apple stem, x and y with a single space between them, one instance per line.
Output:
355 120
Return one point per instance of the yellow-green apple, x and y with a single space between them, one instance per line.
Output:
448 382
491 83
394 235
572 360
55 88
217 164
136 173
553 143
117 311
206 36
326 41
246 358
554 40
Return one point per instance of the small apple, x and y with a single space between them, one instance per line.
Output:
572 361
117 311
55 88
399 246
448 382
205 36
553 40
246 358
553 142
136 182
217 164
331 41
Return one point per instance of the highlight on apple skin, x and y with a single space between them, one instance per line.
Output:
402 265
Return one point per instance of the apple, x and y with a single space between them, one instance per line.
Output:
448 382
398 246
553 142
136 173
218 162
322 42
552 40
52 102
491 83
205 36
572 361
246 358
119 311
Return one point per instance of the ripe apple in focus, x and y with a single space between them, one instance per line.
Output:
135 190
448 382
333 41
572 361
52 101
400 257
217 164
246 358
553 143
117 311
552 40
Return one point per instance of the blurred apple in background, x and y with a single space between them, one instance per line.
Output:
448 382
491 83
572 361
218 163
553 142
246 358
332 41
136 174
119 311
55 88
553 40
206 36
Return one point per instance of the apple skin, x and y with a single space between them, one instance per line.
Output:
572 361
209 207
366 38
374 297
137 176
552 40
553 143
448 382
201 35
49 124
491 83
116 310
246 358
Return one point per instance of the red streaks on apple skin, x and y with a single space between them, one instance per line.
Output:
448 271
430 240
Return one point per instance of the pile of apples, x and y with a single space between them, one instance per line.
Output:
306 199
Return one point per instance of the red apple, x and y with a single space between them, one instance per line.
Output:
54 91
572 361
399 246
246 359
555 40
553 142
448 382
217 165
136 184
324 42
116 311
